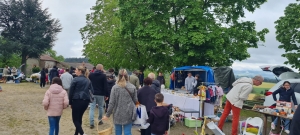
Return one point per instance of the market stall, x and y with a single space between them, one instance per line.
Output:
185 101
205 73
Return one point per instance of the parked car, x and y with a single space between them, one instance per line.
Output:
1 72
283 74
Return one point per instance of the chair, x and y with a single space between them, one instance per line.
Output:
256 122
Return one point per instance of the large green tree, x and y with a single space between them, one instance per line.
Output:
28 26
192 32
155 34
6 57
104 44
288 34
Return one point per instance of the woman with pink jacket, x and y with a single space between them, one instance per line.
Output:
55 100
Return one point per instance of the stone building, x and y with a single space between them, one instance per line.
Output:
45 61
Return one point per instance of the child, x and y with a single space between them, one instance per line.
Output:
55 100
159 117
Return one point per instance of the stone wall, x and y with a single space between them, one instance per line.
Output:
29 65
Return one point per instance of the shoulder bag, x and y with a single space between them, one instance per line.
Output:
134 110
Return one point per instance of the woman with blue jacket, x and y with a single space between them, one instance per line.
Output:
285 94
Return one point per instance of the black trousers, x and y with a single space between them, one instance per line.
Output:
148 130
42 82
78 108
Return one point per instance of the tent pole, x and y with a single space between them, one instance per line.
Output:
174 79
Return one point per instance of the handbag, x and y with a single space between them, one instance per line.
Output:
134 110
91 93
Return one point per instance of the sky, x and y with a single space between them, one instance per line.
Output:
71 14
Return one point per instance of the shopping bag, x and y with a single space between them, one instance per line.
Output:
141 118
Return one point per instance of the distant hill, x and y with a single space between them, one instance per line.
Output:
76 60
269 76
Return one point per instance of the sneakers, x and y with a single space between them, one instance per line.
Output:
287 131
92 127
272 126
100 122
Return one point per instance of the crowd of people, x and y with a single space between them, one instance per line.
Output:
112 95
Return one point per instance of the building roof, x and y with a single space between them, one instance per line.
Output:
46 57
87 65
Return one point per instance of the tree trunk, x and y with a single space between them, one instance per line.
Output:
24 61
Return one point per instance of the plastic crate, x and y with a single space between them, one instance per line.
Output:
192 122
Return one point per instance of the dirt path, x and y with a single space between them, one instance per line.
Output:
22 114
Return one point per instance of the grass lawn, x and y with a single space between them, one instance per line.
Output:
262 88
23 113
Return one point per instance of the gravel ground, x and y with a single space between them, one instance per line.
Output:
22 114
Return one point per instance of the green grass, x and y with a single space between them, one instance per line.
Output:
265 85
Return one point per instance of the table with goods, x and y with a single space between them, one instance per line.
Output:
194 110
283 110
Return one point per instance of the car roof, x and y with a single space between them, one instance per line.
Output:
290 80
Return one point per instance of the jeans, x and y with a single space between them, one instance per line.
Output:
235 117
78 108
127 129
100 101
286 123
54 124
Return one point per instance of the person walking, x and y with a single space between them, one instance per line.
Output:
146 96
66 78
99 83
141 77
155 83
55 100
53 73
110 83
122 104
79 98
43 78
161 78
133 79
159 117
235 100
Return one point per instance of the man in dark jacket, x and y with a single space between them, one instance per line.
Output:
146 96
111 82
155 83
53 73
99 83
141 77
295 130
161 78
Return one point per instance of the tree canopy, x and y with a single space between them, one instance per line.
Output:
29 27
288 34
52 53
151 34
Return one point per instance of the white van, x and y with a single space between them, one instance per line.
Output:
283 74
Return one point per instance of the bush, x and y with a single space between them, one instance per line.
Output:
35 70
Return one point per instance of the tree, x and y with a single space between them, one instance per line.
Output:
202 32
53 54
26 24
6 57
104 44
288 34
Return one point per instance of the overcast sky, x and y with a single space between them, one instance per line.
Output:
71 14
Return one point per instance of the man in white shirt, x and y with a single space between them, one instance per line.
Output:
66 79
189 80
